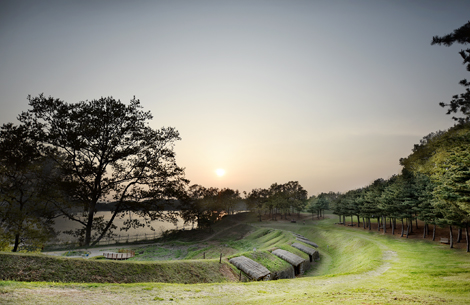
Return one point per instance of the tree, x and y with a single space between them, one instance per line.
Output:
228 199
459 103
426 210
311 205
107 150
370 207
390 201
296 196
453 187
442 157
257 199
321 203
206 205
286 197
277 200
26 215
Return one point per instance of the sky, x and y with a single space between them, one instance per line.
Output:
327 93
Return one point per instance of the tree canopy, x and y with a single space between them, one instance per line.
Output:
106 151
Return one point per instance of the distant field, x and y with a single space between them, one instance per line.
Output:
356 267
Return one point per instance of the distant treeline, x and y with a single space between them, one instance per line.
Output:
434 187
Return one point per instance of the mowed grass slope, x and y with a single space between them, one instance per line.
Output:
36 267
361 267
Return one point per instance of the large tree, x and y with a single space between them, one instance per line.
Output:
26 215
459 102
106 150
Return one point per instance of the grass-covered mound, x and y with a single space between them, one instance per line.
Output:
36 267
258 246
278 267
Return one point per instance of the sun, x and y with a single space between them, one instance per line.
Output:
220 172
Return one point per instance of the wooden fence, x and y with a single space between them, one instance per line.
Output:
123 254
122 239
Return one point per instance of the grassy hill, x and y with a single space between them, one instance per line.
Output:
356 267
34 267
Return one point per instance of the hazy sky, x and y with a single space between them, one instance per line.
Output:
329 93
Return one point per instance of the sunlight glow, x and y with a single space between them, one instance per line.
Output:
220 172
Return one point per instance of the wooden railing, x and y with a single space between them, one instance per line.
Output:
124 254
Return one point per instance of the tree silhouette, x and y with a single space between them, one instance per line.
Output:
106 150
25 212
461 102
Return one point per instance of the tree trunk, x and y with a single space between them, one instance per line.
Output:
411 226
416 223
408 221
424 231
378 224
385 224
108 225
20 228
402 227
434 232
459 234
363 223
370 226
88 227
466 235
451 237
344 220
358 222
352 223
17 243
392 224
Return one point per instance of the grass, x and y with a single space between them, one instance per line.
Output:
361 267
76 253
35 267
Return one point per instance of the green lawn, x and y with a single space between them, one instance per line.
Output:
356 267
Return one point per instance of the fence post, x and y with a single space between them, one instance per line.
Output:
220 260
